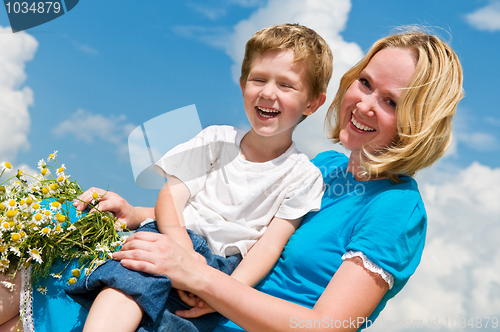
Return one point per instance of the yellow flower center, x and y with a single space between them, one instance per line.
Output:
11 223
58 228
23 235
11 213
36 206
2 189
60 179
2 248
19 173
38 217
45 190
56 204
76 273
8 165
2 207
54 186
60 170
35 251
51 156
21 202
16 237
46 230
61 218
12 202
44 171
95 195
29 201
71 281
5 225
4 262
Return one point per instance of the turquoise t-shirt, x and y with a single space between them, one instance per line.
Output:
383 220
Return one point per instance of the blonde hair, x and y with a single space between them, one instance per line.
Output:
307 46
424 111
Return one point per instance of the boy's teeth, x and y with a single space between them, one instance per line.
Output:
267 112
360 126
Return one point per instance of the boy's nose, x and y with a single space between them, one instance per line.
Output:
268 92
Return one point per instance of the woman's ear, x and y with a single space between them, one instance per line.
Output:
314 104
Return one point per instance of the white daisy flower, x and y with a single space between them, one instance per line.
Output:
5 167
8 285
42 290
35 255
56 275
42 164
15 251
52 156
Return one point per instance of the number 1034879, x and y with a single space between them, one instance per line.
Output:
36 7
472 323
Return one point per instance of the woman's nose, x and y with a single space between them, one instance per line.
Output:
367 104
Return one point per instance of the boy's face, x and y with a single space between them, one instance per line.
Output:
276 94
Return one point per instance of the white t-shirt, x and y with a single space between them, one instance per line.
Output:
232 199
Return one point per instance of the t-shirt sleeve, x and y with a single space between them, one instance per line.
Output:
392 233
190 162
304 195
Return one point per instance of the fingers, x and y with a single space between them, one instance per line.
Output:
86 197
188 298
194 312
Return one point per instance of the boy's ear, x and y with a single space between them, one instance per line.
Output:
314 104
242 86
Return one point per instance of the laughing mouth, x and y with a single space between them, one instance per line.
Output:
360 126
267 112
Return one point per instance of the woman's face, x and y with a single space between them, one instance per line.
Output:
368 110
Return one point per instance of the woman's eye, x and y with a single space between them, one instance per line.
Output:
365 82
391 103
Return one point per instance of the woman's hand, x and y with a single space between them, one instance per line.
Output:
109 201
200 307
156 253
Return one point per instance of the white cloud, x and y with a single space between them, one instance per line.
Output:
486 18
458 276
213 12
89 128
15 51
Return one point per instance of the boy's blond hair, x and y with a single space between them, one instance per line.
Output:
424 111
307 46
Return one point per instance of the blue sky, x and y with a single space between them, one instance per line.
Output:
81 83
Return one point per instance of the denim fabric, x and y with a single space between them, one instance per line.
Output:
152 292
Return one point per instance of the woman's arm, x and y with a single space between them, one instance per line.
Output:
124 212
352 294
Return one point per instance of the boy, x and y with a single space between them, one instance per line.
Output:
232 190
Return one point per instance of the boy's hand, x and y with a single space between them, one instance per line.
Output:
200 307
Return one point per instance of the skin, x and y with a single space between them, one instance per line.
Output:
371 101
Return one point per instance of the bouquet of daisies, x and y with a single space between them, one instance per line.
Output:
41 230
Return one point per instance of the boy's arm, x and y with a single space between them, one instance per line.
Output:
266 251
169 212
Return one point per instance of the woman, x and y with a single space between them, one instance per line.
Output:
393 111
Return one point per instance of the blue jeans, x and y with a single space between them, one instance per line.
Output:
153 292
